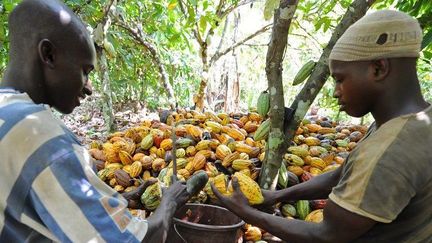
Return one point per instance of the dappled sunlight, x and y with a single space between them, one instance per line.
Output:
65 17
85 187
94 240
422 116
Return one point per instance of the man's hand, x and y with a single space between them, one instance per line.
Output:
133 197
270 199
176 193
237 201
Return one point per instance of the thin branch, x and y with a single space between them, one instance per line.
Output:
106 12
218 55
316 42
255 45
223 35
194 31
233 7
138 36
78 9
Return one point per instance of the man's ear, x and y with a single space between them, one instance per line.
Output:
47 52
381 68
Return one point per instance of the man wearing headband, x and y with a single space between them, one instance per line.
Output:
383 192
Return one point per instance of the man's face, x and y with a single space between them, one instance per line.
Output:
68 82
354 88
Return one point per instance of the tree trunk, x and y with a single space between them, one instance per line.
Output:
99 38
199 98
107 107
236 83
275 53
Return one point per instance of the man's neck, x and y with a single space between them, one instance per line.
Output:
24 80
401 106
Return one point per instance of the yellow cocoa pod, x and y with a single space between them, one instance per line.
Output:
208 154
211 170
244 119
138 156
222 115
315 216
253 234
135 169
250 188
114 166
253 116
153 150
236 134
222 151
331 167
184 172
294 159
197 163
125 158
127 168
243 148
214 126
146 162
119 188
166 144
194 131
227 161
181 163
146 175
318 163
160 153
250 126
261 157
244 156
203 145
246 172
315 171
180 153
158 164
241 164
191 151
313 127
312 141
221 183
299 151
297 170
250 142
147 142
214 143
326 130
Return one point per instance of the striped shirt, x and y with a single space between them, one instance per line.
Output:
388 178
48 188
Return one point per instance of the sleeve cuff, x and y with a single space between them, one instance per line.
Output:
357 210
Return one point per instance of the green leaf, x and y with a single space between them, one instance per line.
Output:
269 8
427 39
283 176
172 5
9 5
203 24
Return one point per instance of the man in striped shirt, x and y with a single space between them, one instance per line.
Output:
48 190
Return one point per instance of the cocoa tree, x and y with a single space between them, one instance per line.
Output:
275 54
304 99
